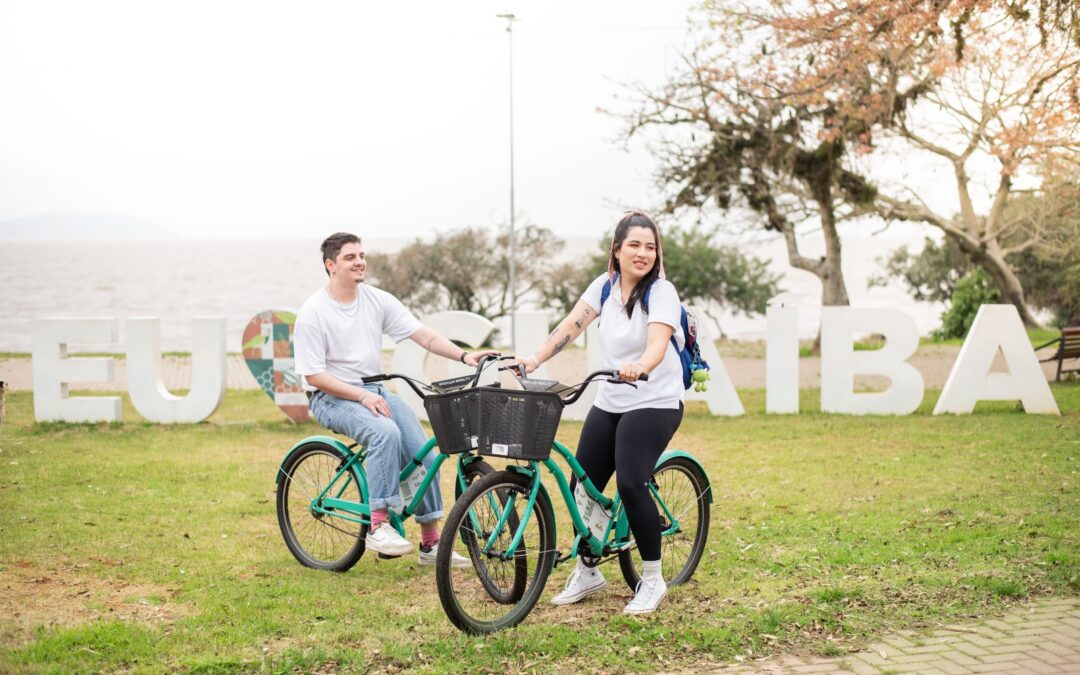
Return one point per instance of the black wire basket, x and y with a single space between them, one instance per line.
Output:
518 424
454 419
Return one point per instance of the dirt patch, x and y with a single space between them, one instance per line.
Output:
32 597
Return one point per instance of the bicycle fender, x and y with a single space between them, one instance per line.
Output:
326 440
682 453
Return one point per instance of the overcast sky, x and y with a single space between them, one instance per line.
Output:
269 119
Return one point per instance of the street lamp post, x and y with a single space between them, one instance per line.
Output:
510 18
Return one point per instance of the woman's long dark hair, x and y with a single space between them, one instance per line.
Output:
630 220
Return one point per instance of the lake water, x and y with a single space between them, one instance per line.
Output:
179 280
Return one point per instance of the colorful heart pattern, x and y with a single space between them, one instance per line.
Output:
268 351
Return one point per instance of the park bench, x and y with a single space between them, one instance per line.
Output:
1068 349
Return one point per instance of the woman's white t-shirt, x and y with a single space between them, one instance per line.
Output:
623 340
346 341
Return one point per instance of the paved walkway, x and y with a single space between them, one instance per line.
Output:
1043 637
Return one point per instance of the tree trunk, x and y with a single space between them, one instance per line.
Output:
992 261
833 288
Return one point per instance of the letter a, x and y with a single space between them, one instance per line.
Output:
996 326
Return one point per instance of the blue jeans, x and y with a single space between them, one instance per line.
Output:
391 443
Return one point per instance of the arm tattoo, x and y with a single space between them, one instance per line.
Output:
551 336
581 320
562 343
428 345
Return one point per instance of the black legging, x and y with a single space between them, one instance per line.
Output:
629 444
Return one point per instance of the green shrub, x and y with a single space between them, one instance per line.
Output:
972 291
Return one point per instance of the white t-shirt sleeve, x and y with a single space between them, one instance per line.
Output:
664 304
309 346
398 322
594 292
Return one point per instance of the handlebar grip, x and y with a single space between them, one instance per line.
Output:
375 378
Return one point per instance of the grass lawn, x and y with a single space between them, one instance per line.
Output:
152 548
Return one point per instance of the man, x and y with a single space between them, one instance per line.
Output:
338 341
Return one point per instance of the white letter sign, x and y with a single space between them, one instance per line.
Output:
146 385
996 327
720 394
782 359
53 370
409 357
840 362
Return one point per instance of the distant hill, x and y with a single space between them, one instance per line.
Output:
72 226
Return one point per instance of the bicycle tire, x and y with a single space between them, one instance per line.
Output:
466 593
315 539
681 485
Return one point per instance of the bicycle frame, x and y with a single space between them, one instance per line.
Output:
616 536
329 503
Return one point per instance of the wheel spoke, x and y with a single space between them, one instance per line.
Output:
320 540
682 492
495 591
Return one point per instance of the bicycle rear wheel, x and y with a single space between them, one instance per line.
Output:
319 540
501 587
679 492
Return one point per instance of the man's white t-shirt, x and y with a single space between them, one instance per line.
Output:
623 340
346 340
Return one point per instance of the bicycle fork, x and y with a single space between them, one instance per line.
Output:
505 510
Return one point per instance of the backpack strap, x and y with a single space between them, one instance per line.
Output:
605 293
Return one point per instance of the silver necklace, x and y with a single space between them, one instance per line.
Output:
341 309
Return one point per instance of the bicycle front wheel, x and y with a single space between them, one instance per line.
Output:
318 538
477 468
679 491
501 586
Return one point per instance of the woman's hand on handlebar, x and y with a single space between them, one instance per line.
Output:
473 359
530 363
632 372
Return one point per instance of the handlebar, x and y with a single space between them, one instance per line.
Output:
611 376
442 386
470 381
576 390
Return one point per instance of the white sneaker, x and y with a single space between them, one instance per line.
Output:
385 539
583 581
428 555
650 591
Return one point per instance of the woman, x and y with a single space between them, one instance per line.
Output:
628 428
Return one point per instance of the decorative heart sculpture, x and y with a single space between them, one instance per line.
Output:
268 350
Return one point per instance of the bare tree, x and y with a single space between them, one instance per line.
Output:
724 141
970 83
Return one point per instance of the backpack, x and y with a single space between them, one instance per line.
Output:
695 370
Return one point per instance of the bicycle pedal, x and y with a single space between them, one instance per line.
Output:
383 556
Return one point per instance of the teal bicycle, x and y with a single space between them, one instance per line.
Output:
505 523
322 492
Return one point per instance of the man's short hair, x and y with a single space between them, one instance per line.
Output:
333 244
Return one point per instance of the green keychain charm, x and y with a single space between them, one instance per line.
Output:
700 379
